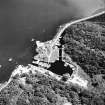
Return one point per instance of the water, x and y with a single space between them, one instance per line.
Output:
22 20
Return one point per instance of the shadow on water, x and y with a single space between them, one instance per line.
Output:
22 20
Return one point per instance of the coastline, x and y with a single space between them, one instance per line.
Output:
60 32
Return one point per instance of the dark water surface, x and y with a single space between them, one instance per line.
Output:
22 20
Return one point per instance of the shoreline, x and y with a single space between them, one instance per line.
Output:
54 40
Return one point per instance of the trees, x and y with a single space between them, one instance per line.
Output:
86 46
